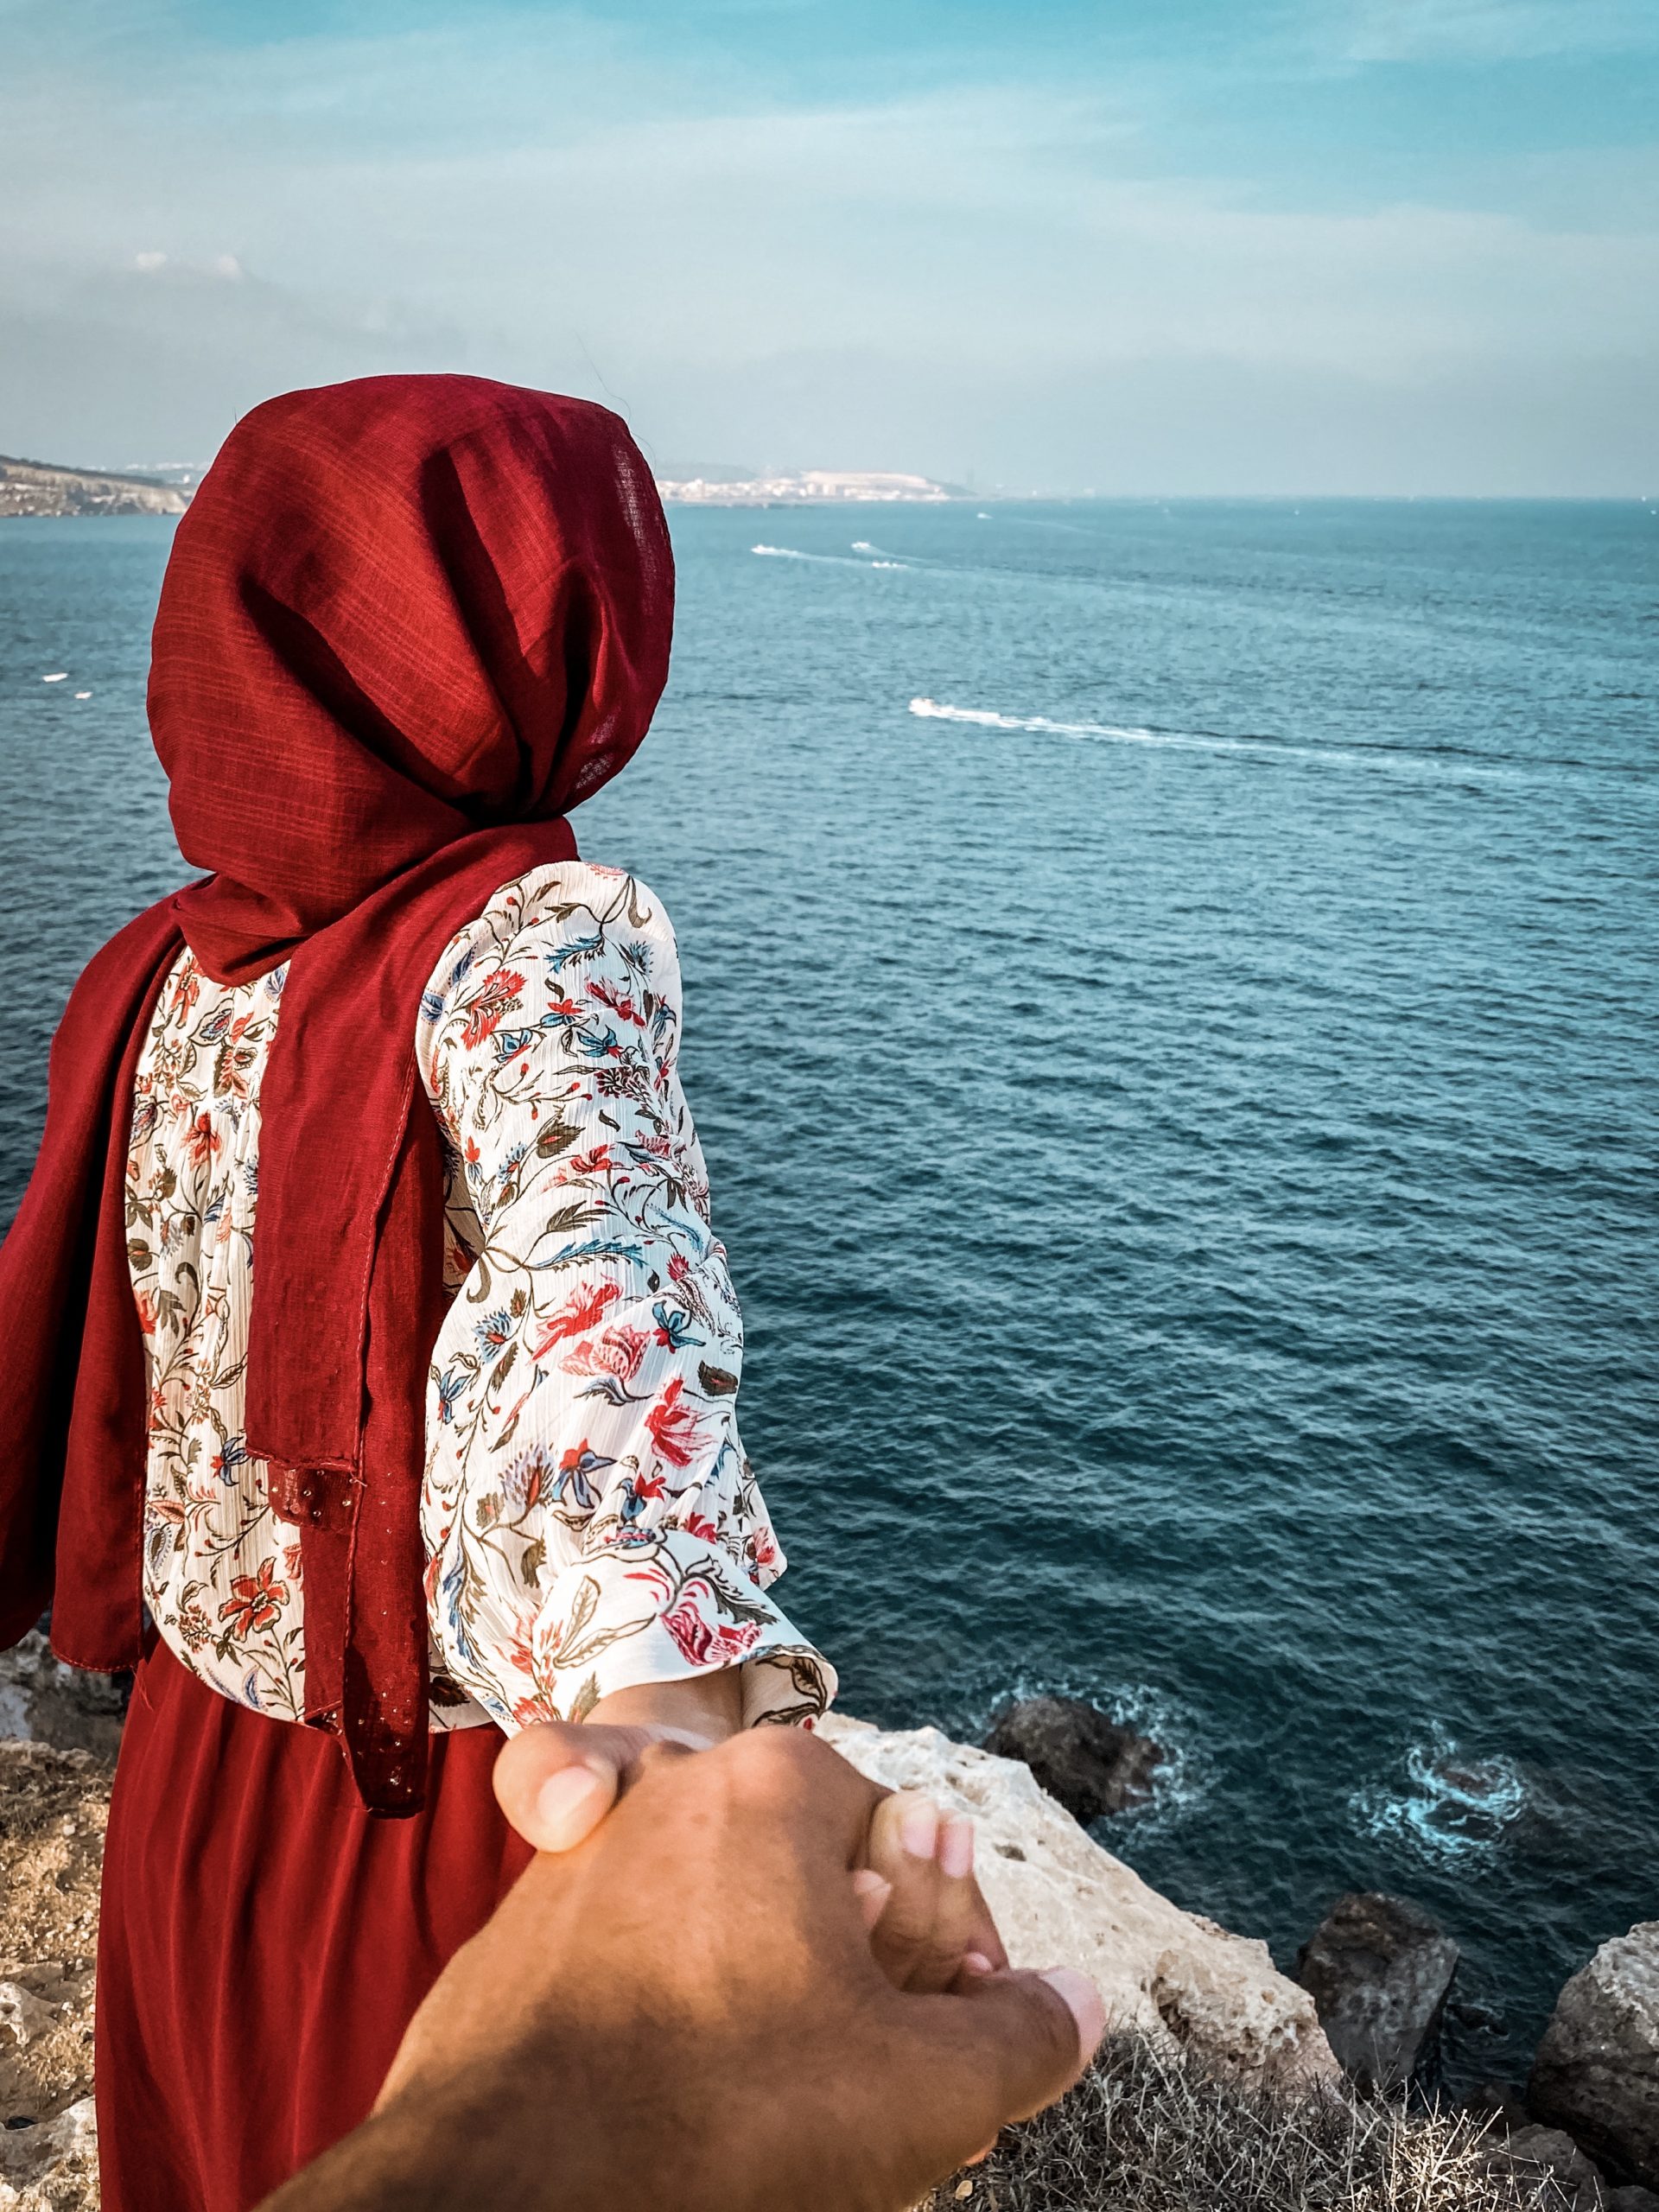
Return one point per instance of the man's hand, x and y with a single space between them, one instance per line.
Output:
686 2010
557 1782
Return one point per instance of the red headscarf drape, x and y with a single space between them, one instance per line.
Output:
407 622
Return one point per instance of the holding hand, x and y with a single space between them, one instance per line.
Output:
914 1880
687 2012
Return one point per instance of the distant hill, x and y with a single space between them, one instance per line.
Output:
42 487
804 487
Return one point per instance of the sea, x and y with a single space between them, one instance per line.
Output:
1170 1011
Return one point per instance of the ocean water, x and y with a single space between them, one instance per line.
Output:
1170 1011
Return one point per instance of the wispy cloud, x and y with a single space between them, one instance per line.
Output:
551 197
1498 30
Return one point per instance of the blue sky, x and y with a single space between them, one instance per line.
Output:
1184 246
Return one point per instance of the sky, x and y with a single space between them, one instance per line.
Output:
1129 246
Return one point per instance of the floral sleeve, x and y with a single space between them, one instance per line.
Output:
590 1519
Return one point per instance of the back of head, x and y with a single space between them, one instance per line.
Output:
398 610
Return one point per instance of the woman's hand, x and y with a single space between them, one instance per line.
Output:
700 1711
929 1925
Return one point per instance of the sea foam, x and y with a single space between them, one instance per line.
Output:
1450 1807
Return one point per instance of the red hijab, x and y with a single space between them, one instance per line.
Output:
407 622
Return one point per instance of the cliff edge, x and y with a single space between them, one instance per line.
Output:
1174 1978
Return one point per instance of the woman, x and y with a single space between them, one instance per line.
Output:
460 1451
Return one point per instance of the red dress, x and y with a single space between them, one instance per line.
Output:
265 1941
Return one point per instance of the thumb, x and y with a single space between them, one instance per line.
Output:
1020 2041
556 1780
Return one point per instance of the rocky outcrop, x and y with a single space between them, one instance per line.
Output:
52 2168
1597 2071
1379 1969
1091 1764
1544 2155
1060 1900
43 1701
53 1808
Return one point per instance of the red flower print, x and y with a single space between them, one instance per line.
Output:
498 995
596 1162
202 1141
618 1004
618 1352
580 1313
520 1653
291 1561
148 1317
674 1428
699 1525
255 1600
705 1643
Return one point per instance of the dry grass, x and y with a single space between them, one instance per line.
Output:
1147 2133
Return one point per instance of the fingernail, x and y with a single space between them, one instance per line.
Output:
977 1962
872 1890
565 1806
1082 2001
918 1829
956 1848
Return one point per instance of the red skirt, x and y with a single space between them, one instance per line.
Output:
263 1943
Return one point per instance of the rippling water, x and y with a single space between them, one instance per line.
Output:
1171 1013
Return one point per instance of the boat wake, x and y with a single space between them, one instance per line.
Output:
1447 761
825 560
1124 734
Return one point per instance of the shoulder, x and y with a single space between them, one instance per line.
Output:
553 924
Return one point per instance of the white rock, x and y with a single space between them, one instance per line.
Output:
22 2012
1060 1900
37 2165
1597 2071
45 1700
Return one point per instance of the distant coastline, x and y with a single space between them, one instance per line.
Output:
812 487
43 487
50 489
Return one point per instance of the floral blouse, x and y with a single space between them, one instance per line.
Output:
591 1521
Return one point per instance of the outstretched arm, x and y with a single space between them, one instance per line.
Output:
593 1526
571 2057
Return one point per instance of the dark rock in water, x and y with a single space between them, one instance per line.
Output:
1091 1763
1535 2154
1378 1970
44 1701
1500 2104
1597 2071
